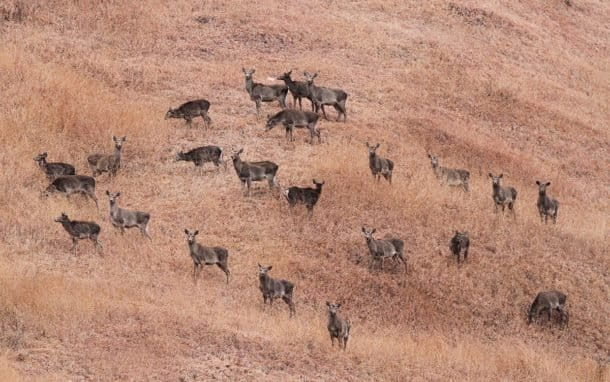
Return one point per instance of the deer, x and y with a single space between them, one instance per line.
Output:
100 163
190 110
450 176
206 255
338 328
548 301
272 288
321 96
249 172
307 196
390 247
291 118
73 184
502 196
547 207
201 155
122 218
298 89
460 243
379 166
79 230
264 93
53 169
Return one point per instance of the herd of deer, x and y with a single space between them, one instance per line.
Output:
64 180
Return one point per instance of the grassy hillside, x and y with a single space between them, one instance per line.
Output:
519 88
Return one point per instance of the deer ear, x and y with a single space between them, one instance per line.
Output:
338 305
196 233
377 145
118 194
243 69
269 267
186 231
538 183
107 193
240 151
363 229
327 303
374 230
548 183
491 176
501 175
124 138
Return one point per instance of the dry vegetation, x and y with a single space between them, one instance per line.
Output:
515 87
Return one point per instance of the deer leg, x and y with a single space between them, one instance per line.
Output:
332 341
300 104
258 105
206 118
74 241
225 269
248 184
189 121
324 112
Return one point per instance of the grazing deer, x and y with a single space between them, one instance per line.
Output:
548 301
450 176
298 89
379 166
291 118
546 206
264 93
249 172
73 184
502 196
79 230
122 218
337 327
321 96
307 196
459 244
384 248
272 288
206 255
200 155
190 110
54 169
100 163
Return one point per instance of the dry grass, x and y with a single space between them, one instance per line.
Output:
515 88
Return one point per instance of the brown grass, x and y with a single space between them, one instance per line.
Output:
516 88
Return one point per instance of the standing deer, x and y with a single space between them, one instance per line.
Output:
450 176
190 110
321 96
272 288
338 328
307 196
379 166
546 206
502 196
298 89
200 155
460 243
291 118
264 93
389 247
79 230
73 184
53 169
206 255
249 172
122 218
548 301
100 163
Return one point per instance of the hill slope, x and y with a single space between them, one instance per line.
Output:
514 88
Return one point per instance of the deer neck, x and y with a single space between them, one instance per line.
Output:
114 208
264 279
238 164
117 152
249 84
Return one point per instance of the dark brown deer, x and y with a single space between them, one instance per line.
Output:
272 288
264 93
100 163
548 301
79 230
73 184
291 118
249 172
321 96
298 89
547 207
206 255
460 243
190 110
53 169
338 328
379 166
307 196
201 155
